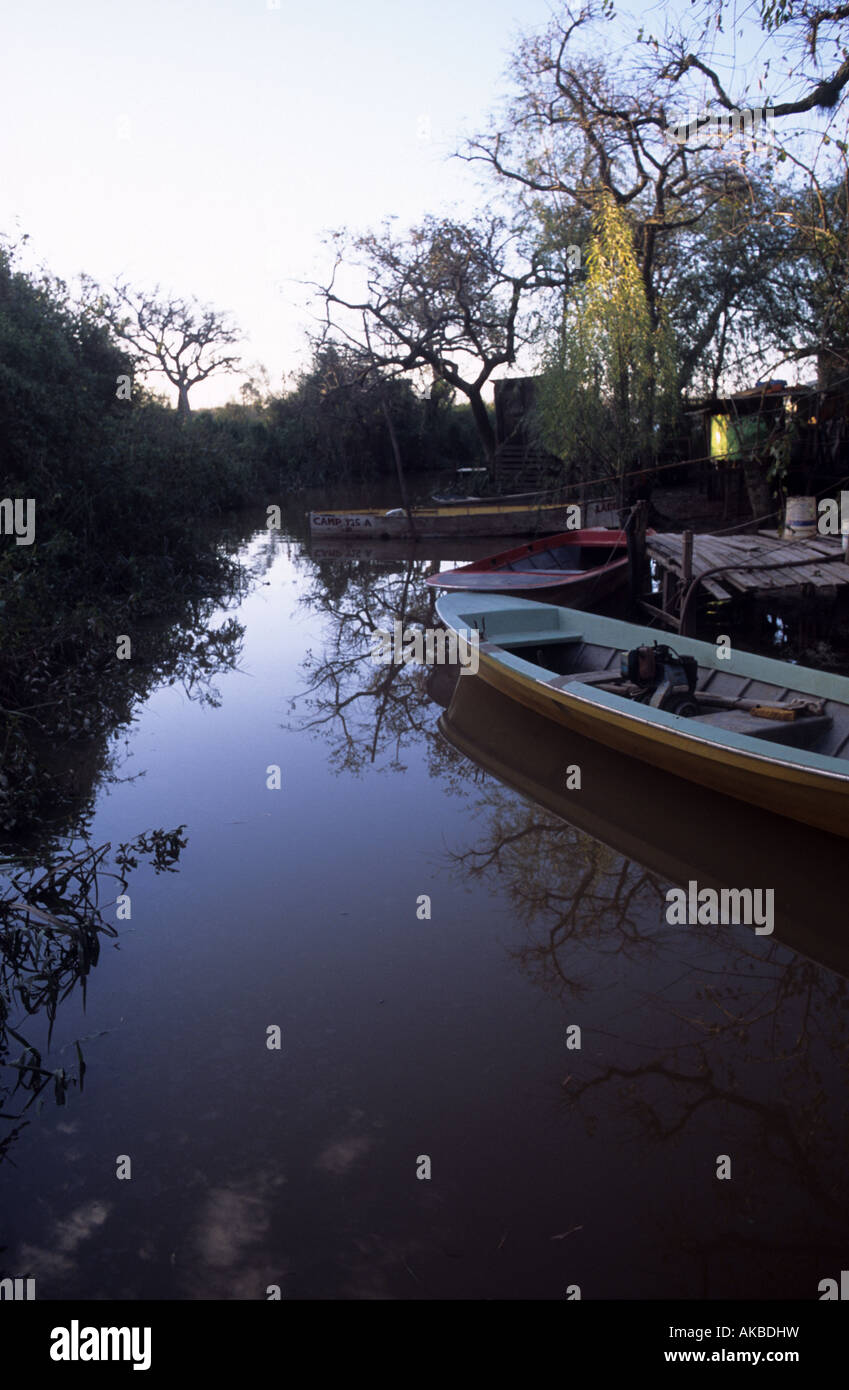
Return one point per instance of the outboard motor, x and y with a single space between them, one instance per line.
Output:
666 680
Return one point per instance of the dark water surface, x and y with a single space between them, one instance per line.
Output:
405 1037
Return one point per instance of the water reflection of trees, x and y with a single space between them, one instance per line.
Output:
60 747
731 1036
371 714
52 927
564 886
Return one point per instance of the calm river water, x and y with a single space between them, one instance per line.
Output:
447 1037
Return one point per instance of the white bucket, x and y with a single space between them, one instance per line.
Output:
800 518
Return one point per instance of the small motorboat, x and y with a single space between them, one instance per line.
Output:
764 731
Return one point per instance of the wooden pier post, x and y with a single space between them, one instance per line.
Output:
685 627
637 549
687 556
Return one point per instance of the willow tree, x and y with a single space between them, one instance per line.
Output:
609 387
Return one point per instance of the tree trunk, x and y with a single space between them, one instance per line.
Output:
183 401
399 469
480 415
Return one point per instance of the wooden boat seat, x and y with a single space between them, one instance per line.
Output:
803 732
587 677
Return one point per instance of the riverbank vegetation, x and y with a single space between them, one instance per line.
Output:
123 489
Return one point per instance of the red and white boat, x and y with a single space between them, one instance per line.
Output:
570 569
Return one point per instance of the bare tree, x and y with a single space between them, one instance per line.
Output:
581 127
805 48
584 122
446 296
180 338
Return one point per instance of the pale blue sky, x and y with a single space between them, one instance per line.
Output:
207 144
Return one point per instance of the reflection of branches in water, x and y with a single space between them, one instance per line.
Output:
372 710
51 926
380 717
748 989
198 653
696 1088
365 586
765 1007
258 546
562 882
59 743
743 1038
755 1057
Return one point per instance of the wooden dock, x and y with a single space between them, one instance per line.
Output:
755 566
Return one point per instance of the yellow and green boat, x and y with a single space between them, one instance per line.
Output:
763 731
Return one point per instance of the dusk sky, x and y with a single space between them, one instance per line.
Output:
208 146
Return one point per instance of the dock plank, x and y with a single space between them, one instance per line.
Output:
782 565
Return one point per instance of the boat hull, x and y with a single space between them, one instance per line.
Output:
801 794
591 587
496 573
447 522
772 776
